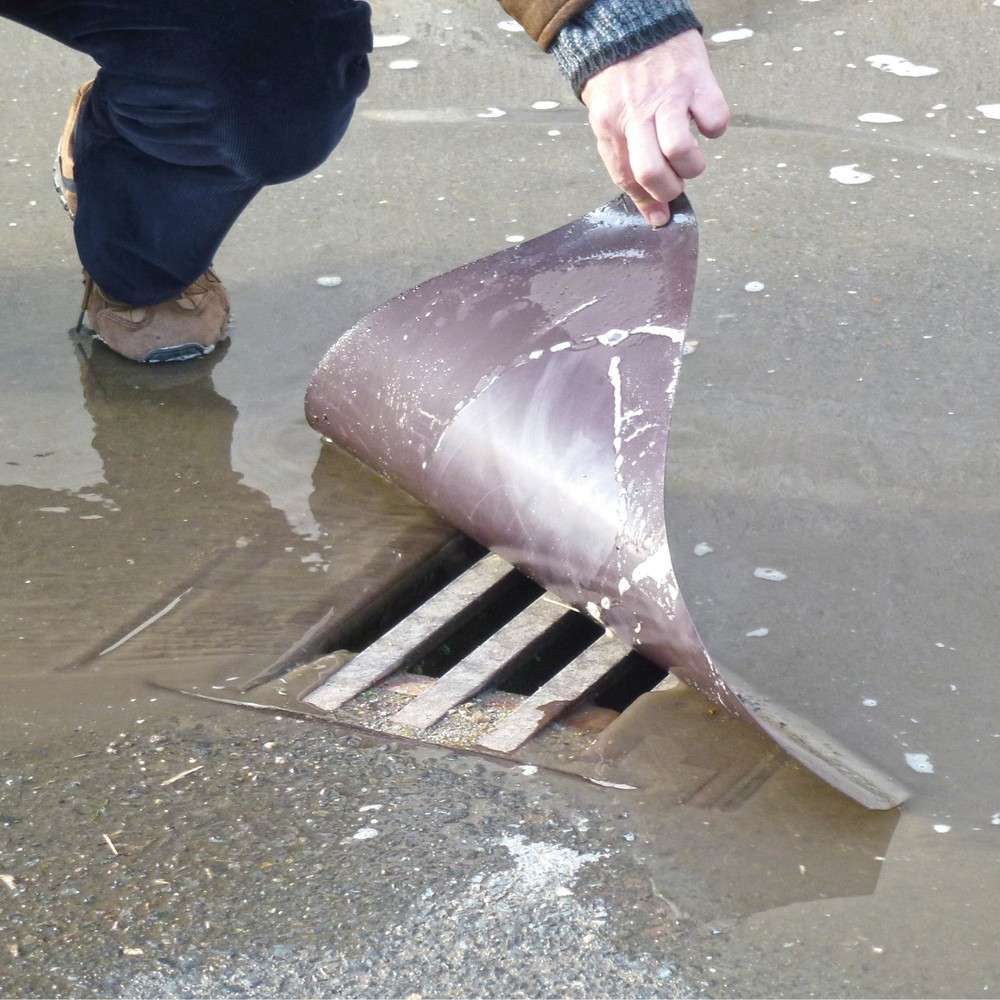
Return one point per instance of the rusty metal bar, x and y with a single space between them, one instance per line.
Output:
575 681
449 608
483 666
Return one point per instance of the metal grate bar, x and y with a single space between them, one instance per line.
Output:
483 665
576 680
448 608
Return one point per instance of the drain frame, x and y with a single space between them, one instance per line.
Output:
475 681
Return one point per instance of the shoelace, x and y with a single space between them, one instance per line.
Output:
88 289
199 287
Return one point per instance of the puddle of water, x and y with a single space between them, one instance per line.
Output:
719 786
173 569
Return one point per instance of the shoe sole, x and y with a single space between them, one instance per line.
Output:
165 355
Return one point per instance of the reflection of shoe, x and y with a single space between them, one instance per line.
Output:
104 370
186 327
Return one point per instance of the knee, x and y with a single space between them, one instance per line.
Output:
266 100
293 94
289 127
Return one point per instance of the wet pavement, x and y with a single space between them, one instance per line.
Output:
185 528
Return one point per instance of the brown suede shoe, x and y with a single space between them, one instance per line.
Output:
186 327
63 173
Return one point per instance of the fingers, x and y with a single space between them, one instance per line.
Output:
710 111
650 162
641 112
657 173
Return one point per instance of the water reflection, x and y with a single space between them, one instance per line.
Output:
720 786
172 568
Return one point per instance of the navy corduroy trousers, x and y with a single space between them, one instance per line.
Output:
196 105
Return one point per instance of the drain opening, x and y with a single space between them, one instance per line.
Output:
486 616
633 677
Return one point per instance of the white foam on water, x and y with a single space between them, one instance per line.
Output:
879 118
899 66
920 762
774 575
848 173
389 41
736 35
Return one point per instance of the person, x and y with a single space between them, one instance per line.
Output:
198 104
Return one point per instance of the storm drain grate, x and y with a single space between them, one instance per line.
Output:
488 660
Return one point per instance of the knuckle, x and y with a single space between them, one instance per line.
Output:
622 179
648 175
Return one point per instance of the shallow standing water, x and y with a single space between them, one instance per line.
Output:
836 422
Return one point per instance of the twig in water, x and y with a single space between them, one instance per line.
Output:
183 774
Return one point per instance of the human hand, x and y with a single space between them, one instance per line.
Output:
641 111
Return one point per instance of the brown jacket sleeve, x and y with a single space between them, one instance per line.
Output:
542 19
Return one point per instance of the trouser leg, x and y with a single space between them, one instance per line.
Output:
196 106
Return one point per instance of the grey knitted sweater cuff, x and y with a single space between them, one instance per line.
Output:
609 31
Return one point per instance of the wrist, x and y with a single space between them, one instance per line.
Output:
610 31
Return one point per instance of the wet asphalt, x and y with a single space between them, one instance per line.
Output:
835 421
